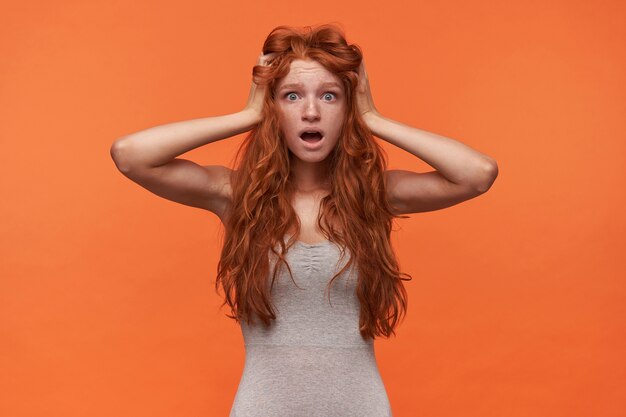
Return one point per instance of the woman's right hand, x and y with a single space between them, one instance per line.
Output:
257 92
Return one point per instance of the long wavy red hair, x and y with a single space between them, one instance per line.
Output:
262 188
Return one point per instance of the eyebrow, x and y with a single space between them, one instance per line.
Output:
299 85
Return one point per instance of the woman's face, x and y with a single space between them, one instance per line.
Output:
310 98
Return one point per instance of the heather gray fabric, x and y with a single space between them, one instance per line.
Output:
312 361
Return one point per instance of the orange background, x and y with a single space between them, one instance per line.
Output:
517 306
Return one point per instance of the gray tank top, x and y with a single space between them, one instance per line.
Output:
312 361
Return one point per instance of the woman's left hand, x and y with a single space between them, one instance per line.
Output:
364 101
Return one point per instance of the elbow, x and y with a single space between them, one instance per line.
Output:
488 176
120 154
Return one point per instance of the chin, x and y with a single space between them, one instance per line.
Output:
309 158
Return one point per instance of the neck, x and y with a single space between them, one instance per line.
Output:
309 176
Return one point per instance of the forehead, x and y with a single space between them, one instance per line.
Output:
309 72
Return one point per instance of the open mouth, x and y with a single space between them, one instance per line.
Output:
311 137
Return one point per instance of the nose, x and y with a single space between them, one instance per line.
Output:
311 111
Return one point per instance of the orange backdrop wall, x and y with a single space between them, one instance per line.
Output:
516 308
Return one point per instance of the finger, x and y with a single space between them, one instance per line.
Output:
268 56
361 69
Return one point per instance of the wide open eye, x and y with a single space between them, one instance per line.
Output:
331 94
290 94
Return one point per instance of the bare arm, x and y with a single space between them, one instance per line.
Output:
149 157
461 172
159 145
453 160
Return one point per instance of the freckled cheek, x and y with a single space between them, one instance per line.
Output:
286 121
337 124
284 126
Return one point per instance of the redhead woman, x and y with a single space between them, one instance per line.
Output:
307 266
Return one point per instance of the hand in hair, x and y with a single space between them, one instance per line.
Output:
257 92
364 101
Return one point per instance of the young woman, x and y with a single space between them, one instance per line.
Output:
309 206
